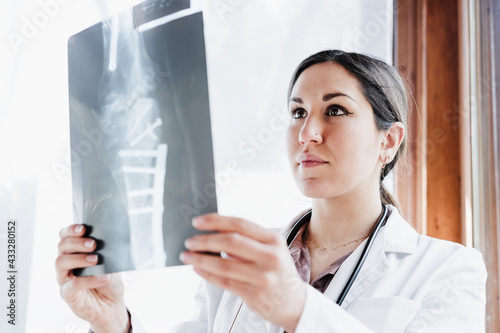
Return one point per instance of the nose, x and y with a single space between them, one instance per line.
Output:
311 132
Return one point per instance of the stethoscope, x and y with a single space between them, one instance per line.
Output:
305 219
380 222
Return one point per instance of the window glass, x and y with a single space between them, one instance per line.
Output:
485 142
252 49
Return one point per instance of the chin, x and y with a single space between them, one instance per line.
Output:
315 189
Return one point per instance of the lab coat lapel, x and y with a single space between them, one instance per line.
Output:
396 236
344 272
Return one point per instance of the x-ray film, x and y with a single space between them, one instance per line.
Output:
141 142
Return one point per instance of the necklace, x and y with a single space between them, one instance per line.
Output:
324 248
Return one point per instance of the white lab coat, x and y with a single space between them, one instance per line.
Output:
409 283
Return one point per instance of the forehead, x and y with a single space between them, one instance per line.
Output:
326 78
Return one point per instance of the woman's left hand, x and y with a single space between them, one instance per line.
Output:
257 266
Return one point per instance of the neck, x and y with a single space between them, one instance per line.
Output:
344 218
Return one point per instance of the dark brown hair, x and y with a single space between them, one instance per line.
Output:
381 85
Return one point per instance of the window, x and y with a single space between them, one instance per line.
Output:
485 129
252 50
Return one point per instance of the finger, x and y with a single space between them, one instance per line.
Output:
239 288
224 268
74 230
67 262
70 289
76 244
216 222
233 244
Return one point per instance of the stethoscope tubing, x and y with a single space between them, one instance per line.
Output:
364 255
304 219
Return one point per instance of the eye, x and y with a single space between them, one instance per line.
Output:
336 110
299 113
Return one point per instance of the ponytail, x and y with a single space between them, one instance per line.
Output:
387 198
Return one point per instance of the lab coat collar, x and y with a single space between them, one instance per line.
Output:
398 235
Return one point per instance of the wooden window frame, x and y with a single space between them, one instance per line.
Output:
427 53
446 51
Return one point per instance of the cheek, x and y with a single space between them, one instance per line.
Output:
371 139
367 148
354 146
292 139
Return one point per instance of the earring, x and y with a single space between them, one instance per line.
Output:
382 170
386 160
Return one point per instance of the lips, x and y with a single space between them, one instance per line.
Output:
310 160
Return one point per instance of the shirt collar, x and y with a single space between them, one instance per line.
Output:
301 257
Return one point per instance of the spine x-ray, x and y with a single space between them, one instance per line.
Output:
141 143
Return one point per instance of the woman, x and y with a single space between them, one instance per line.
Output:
346 133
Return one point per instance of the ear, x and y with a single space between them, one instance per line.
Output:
391 141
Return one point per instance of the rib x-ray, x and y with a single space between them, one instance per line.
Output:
141 143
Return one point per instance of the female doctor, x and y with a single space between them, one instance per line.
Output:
349 264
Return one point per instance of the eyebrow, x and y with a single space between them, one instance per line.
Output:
326 97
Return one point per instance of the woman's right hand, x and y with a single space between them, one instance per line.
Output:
96 299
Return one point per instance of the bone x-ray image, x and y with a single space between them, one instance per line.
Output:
141 143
